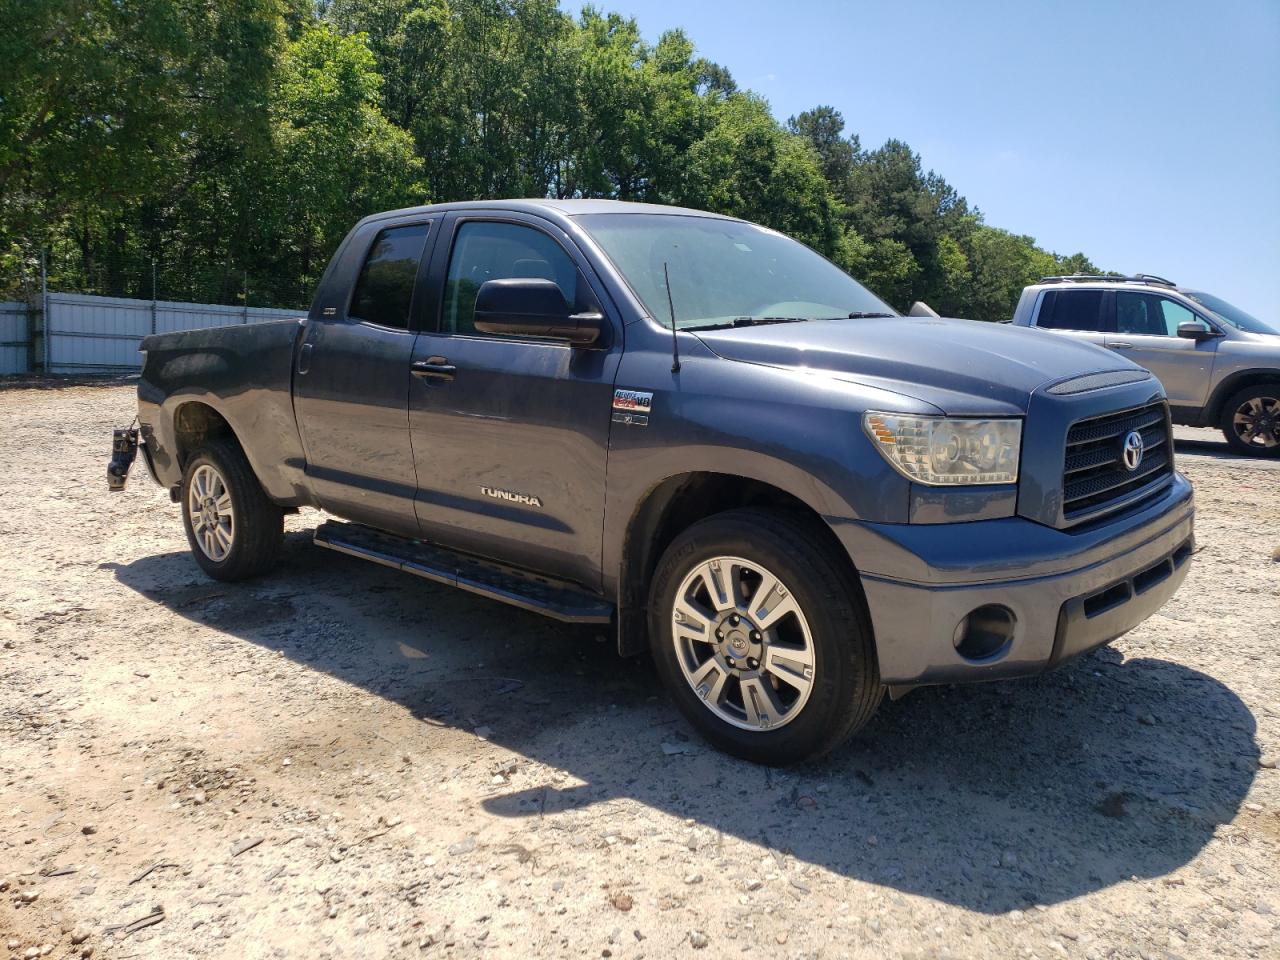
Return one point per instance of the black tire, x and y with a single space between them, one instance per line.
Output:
846 688
258 523
1268 394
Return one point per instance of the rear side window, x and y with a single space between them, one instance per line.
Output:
1071 310
384 290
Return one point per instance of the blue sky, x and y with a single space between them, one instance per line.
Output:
1144 133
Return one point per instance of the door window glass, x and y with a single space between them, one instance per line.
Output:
1071 310
384 290
486 250
1150 315
1175 314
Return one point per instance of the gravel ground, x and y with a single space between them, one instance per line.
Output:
339 760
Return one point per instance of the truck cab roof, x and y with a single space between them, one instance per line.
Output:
564 208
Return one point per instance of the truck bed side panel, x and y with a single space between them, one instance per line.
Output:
245 374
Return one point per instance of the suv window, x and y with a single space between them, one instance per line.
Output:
487 250
384 289
1071 310
1147 314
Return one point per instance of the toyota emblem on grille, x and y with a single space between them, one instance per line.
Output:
1131 452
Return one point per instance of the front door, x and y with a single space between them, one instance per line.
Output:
1146 332
351 389
510 434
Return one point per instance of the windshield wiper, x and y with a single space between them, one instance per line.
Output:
748 322
761 321
757 321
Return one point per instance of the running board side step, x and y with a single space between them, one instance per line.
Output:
497 582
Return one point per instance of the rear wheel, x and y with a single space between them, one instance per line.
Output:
233 528
761 635
1251 420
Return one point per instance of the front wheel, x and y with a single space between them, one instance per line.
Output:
1251 420
760 633
233 529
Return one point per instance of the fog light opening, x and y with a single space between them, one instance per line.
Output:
985 633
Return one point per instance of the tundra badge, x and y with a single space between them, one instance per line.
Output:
511 495
632 407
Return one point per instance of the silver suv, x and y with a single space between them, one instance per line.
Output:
1219 365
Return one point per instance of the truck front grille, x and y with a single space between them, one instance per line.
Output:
1095 479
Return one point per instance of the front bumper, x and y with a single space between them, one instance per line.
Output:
1067 591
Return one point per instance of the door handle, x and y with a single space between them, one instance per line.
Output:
1120 345
434 368
304 358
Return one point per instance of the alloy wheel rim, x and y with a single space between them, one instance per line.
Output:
743 643
1257 422
213 521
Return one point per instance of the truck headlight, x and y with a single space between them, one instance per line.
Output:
945 451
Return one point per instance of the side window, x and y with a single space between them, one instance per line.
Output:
1150 315
1176 314
384 289
1071 310
485 250
1139 313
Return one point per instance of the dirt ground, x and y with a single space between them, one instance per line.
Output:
339 760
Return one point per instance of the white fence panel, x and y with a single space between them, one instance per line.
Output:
171 317
95 334
13 337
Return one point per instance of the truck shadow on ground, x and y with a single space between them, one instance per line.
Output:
993 797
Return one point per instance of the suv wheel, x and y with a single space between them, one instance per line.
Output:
233 529
761 636
1251 420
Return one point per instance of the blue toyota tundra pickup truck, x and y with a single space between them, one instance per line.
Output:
696 430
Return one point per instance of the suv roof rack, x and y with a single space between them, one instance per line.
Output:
1148 278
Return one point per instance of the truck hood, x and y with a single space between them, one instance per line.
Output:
962 367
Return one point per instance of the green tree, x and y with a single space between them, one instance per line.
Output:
108 110
1002 264
235 142
748 166
823 127
610 143
335 157
1076 263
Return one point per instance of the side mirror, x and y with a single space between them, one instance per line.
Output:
533 307
1191 330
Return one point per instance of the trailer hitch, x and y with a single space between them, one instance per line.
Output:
124 449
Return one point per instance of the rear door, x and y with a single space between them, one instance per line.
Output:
351 386
1078 314
1146 331
510 434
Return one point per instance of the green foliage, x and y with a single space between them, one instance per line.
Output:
823 127
110 108
1001 263
232 144
748 166
335 157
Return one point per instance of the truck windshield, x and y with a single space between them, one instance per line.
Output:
725 272
1231 313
